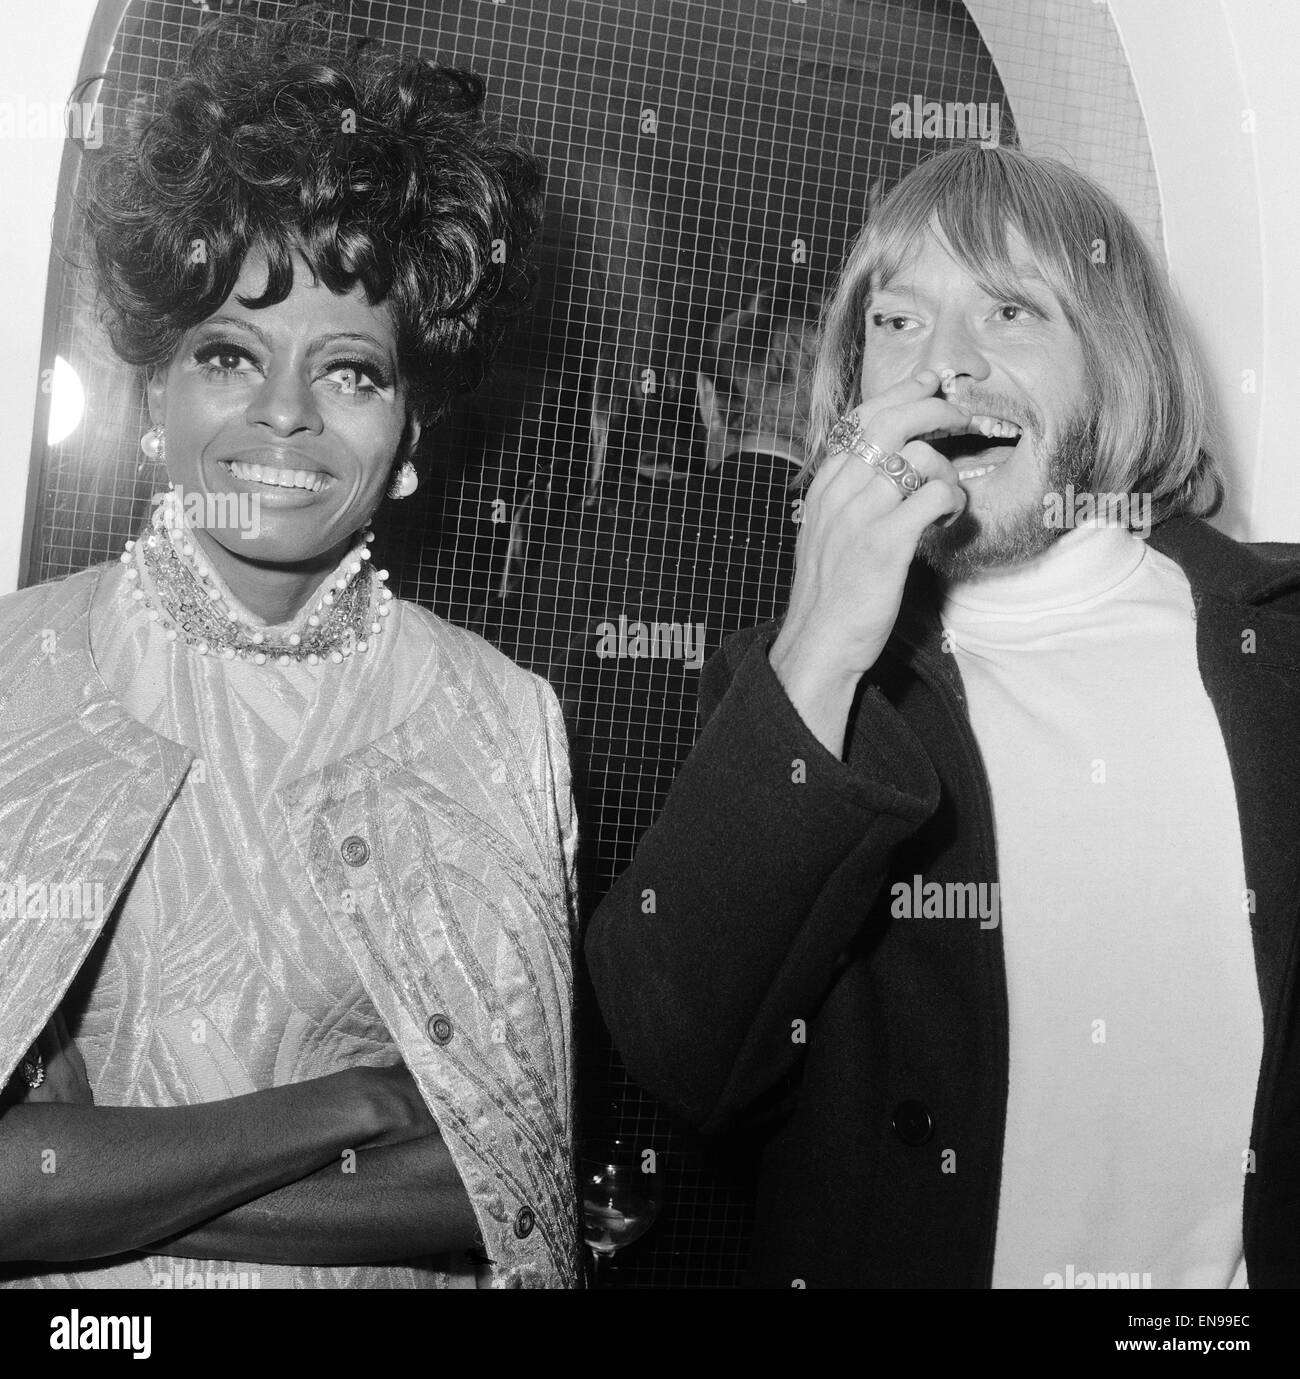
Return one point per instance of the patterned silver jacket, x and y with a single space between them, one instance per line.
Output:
448 875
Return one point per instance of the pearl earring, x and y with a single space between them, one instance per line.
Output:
153 445
406 483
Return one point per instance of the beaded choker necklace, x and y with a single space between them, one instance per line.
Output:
180 589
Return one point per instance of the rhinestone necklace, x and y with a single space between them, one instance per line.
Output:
181 591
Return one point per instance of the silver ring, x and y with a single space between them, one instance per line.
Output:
846 435
32 1067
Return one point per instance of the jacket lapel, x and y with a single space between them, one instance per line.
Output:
80 797
1248 650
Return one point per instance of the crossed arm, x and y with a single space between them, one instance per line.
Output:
393 1202
259 1177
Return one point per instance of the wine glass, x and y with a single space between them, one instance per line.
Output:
621 1195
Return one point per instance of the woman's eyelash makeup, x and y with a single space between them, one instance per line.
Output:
207 353
364 367
213 349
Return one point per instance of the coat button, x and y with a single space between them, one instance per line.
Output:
524 1222
356 851
912 1122
439 1028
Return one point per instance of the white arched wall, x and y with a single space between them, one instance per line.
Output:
39 64
1223 137
1229 210
1229 203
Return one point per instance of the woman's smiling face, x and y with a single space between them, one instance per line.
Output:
297 409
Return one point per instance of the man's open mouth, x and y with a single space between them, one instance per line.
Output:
976 453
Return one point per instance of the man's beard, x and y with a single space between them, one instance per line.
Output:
973 544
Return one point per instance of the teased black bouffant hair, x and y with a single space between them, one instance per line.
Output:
376 167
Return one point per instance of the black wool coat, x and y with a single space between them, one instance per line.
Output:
751 974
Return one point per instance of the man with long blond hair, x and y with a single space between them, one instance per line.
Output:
976 899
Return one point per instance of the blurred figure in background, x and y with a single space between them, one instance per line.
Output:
752 385
618 601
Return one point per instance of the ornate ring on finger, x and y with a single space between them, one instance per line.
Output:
846 436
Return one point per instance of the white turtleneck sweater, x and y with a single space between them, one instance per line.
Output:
1136 1028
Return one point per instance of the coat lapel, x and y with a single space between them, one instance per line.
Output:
80 797
1248 650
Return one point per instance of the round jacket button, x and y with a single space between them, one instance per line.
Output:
439 1028
356 851
524 1222
912 1122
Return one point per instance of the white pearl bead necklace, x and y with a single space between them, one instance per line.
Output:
192 606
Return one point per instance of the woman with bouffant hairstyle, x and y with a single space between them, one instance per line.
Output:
288 973
374 169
